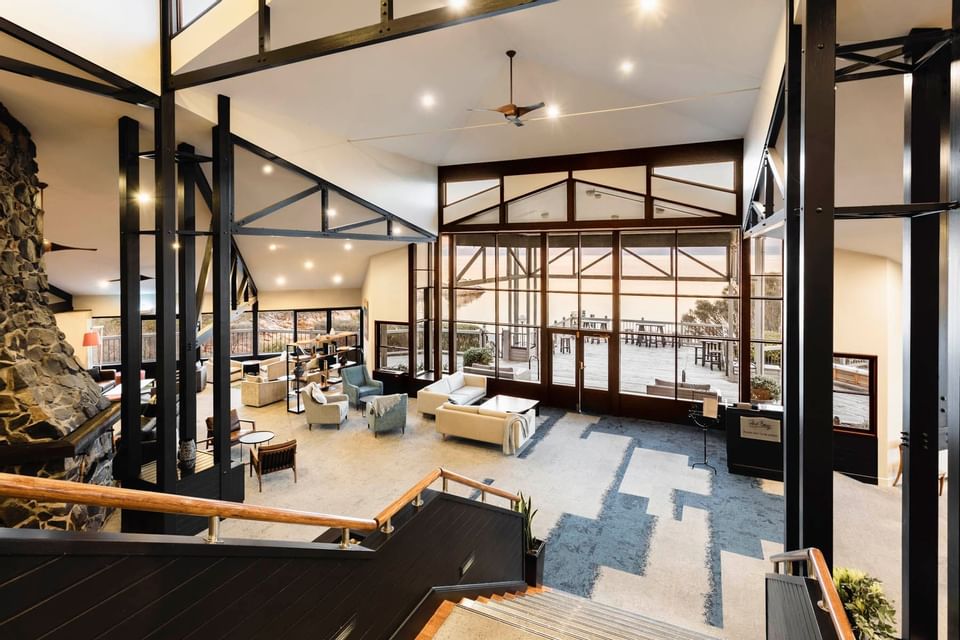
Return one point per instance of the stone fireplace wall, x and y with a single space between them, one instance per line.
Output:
44 394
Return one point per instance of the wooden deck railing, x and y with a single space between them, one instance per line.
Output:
818 570
45 489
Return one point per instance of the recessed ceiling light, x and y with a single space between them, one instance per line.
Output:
458 4
626 67
281 280
553 111
308 264
648 6
103 284
347 246
337 278
331 212
428 101
272 247
144 198
267 169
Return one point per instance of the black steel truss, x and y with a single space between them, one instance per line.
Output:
325 188
110 85
389 28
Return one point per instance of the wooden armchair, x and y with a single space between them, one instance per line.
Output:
236 429
275 457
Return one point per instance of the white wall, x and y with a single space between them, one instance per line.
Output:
384 293
74 324
867 321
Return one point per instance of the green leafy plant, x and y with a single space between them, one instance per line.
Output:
476 355
768 389
525 508
870 612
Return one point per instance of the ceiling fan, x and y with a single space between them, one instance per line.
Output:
49 247
511 111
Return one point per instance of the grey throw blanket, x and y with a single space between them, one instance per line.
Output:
511 444
380 405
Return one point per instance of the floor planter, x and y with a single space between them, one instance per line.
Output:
533 563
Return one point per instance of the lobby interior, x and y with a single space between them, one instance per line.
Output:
696 297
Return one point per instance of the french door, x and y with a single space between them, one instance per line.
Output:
579 369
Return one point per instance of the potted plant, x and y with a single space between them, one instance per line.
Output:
534 549
870 613
763 389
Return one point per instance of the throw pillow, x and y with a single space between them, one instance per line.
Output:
317 394
455 380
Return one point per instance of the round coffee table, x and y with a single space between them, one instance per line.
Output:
257 437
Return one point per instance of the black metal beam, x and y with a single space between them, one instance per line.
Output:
60 293
222 210
277 206
867 75
791 285
28 37
303 233
863 61
908 210
130 327
165 169
817 151
413 24
263 26
953 337
67 80
187 275
327 185
926 118
355 225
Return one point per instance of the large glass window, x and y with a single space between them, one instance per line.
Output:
424 316
392 345
274 331
345 320
311 324
518 306
766 320
241 335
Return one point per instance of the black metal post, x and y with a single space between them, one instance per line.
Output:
187 273
263 26
130 328
791 286
165 169
817 149
220 226
926 113
953 339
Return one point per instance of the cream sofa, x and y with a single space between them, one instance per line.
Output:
510 430
458 388
274 368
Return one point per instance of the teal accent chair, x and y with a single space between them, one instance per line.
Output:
357 383
395 418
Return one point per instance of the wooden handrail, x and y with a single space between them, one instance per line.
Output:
45 489
830 603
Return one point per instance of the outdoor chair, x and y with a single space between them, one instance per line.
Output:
357 383
275 457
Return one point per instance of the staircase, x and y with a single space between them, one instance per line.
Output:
541 613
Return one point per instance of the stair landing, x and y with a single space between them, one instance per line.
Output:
541 613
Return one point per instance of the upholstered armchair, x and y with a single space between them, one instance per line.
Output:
333 411
274 457
393 418
357 383
236 428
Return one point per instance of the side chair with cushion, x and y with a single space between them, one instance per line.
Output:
236 428
274 457
394 417
357 383
323 409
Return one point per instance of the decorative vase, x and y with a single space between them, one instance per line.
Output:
187 456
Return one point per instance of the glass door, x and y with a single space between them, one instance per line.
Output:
579 370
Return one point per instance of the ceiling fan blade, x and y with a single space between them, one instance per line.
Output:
49 247
486 110
143 278
522 111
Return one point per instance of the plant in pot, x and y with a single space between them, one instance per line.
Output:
763 389
534 549
477 355
870 612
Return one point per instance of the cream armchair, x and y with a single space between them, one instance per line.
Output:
334 411
459 388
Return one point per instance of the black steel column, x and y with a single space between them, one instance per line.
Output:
925 119
791 285
130 328
817 149
187 222
953 342
221 227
